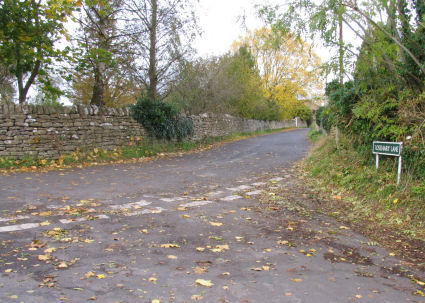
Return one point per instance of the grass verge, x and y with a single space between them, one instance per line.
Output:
370 200
135 151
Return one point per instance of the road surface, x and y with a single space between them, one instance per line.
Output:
183 229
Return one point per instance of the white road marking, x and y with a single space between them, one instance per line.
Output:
258 184
196 203
53 206
277 179
254 193
67 221
215 193
156 210
14 218
18 227
231 198
130 205
242 187
168 200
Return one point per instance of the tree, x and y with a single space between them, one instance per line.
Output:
308 17
99 45
29 30
228 84
288 67
161 33
7 91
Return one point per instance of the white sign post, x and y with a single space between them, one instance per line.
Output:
388 149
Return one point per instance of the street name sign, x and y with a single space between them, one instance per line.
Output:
388 149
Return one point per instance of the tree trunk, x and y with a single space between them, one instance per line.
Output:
99 87
23 90
153 77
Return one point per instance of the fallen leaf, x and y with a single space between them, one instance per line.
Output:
343 227
90 274
297 280
172 257
153 280
100 276
200 270
216 223
196 297
220 248
201 249
44 257
45 223
49 250
202 282
63 265
169 245
256 269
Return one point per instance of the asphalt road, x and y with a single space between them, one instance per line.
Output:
183 229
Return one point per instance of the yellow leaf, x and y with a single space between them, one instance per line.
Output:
266 268
186 216
201 249
196 297
45 213
202 282
44 257
256 269
90 274
343 227
8 270
297 280
172 257
200 270
156 301
49 250
216 223
220 248
419 293
153 280
420 283
169 245
395 201
100 276
45 223
63 265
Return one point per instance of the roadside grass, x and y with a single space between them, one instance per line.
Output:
315 135
136 151
368 198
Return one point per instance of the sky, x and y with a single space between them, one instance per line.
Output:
221 24
220 21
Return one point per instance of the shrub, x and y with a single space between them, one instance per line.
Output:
161 120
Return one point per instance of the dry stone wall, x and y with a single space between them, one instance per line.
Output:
48 132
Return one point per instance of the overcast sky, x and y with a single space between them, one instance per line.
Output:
220 21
